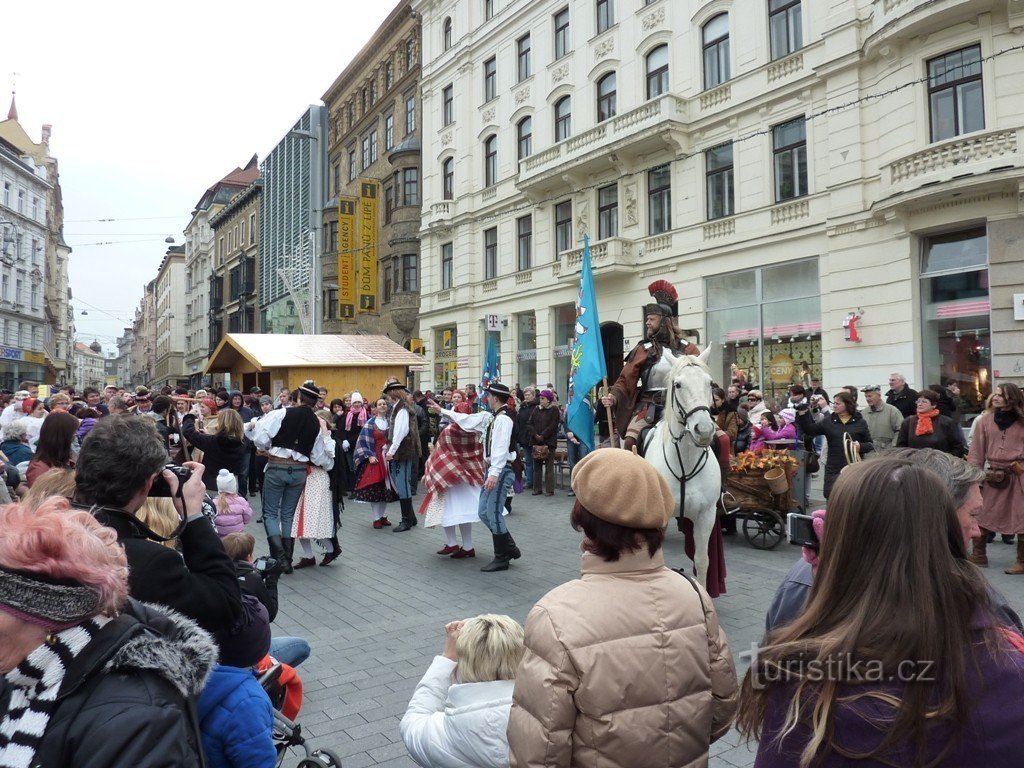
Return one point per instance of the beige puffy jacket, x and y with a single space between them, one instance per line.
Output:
626 666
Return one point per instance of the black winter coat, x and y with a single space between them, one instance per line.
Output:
542 426
219 451
199 583
905 401
127 700
946 436
833 429
523 436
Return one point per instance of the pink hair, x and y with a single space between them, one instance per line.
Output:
55 541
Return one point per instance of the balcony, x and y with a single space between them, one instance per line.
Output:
405 308
901 20
613 256
954 159
652 126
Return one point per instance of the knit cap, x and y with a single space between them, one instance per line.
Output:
227 482
357 398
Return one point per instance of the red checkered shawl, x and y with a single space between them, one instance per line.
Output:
458 457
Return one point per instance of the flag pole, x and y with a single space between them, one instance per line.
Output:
613 439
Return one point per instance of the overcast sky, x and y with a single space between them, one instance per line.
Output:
152 104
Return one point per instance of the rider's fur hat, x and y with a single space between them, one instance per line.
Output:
619 487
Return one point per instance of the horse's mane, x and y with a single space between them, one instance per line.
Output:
671 416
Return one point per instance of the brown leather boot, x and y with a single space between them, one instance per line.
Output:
1017 568
979 550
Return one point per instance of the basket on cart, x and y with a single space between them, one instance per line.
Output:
759 489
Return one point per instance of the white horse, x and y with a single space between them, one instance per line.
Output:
679 448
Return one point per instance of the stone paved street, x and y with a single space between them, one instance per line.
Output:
375 618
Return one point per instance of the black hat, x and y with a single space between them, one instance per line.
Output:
390 384
255 391
498 389
311 389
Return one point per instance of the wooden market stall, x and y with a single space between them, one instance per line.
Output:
339 363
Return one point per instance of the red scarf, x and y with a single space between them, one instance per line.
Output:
924 422
457 458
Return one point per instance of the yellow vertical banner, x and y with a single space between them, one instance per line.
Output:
347 258
369 193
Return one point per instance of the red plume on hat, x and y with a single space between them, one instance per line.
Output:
666 296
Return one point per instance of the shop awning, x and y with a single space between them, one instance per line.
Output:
268 350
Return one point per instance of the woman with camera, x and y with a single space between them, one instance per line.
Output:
846 434
998 448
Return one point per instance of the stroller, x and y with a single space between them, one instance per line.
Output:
288 733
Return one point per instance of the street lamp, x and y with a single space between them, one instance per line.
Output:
316 210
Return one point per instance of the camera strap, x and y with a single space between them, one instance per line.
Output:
128 517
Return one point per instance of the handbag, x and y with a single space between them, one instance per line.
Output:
541 452
998 478
813 462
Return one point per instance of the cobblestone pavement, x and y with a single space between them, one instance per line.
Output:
375 617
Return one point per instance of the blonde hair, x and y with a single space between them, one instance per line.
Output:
229 423
160 516
53 482
489 648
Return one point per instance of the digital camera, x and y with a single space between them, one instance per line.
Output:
160 486
801 531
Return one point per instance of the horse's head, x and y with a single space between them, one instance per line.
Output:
688 406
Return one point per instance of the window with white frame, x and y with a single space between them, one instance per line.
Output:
389 132
606 97
490 253
563 227
605 14
524 242
524 138
563 118
490 160
447 105
447 266
956 103
608 211
410 113
716 50
784 27
657 71
562 42
490 78
446 34
448 178
719 175
523 58
789 148
659 199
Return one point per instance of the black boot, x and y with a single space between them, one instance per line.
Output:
289 550
408 516
508 504
334 554
276 548
513 550
502 553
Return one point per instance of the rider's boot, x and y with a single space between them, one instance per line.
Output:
629 443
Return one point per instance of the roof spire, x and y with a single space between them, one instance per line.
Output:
12 113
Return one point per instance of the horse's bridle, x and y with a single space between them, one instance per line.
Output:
684 417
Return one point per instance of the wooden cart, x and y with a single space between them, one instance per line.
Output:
749 497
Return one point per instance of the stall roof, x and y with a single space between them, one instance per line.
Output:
269 350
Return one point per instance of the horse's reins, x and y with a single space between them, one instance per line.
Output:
683 475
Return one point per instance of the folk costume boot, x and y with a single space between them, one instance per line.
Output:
408 516
334 554
513 550
276 549
289 551
979 550
501 554
1017 568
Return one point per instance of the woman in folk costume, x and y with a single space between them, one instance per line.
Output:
373 485
314 514
454 477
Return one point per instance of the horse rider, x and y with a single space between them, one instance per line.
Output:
638 395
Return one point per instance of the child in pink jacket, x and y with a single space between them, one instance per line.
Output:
786 430
233 511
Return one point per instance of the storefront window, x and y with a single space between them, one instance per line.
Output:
446 358
955 313
767 323
565 329
526 349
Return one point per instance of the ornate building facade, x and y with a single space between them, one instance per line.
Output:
236 231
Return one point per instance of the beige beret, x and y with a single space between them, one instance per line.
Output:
619 487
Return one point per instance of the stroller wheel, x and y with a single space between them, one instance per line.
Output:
321 758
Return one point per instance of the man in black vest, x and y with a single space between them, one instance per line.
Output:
292 438
499 445
402 452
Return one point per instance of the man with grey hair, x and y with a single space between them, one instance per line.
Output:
883 419
964 483
900 395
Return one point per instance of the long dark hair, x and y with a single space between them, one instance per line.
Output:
894 584
1014 399
55 436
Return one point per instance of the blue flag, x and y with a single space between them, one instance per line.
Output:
587 365
492 365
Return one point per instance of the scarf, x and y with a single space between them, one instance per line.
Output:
34 685
352 412
1004 419
924 422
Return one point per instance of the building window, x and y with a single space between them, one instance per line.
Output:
718 170
7 194
562 33
605 14
563 227
35 207
784 27
350 111
408 277
608 211
563 118
448 105
389 76
606 97
522 58
389 132
716 51
448 179
386 297
490 78
410 114
524 138
330 306
366 152
332 237
336 176
766 322
390 201
352 170
21 201
252 228
955 98
955 309
410 186
373 92
446 35
490 160
490 253
362 102
657 71
488 9
447 266
659 199
410 55
789 142
524 242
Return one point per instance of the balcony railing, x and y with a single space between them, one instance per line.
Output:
613 255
